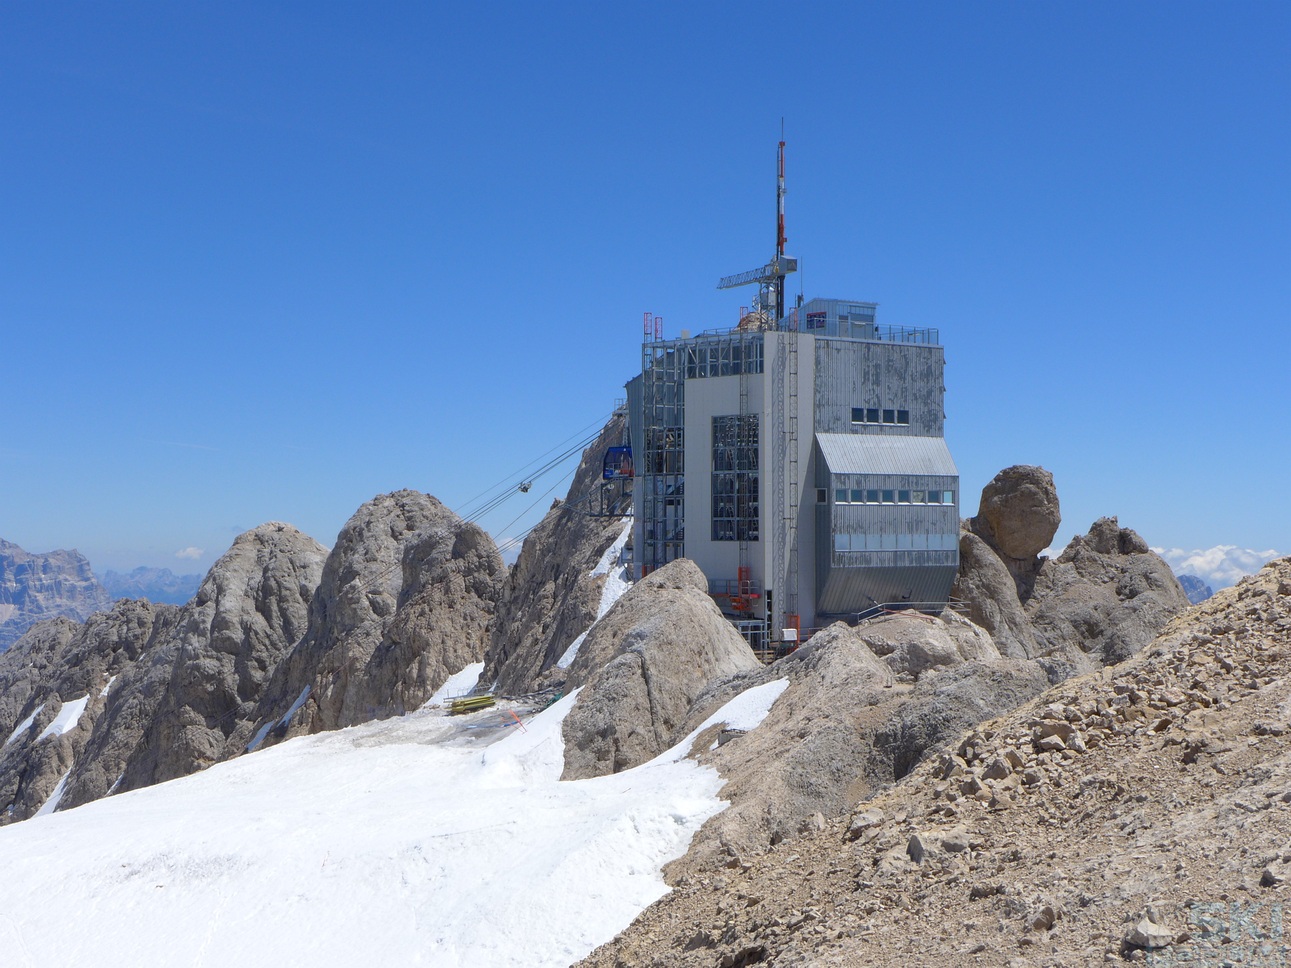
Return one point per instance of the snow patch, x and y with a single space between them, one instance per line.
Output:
104 691
616 583
745 712
66 719
458 684
50 805
24 725
285 718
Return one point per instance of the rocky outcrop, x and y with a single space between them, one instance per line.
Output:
1102 599
154 584
405 600
551 595
990 592
1107 595
849 723
35 587
252 607
641 668
1134 815
56 686
159 688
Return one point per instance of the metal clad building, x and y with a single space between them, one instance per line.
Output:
801 465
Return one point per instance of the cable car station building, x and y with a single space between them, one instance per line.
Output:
799 459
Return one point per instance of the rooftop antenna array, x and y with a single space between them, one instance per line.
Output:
770 307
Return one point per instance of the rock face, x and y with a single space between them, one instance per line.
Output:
1106 595
154 584
1101 600
56 685
37 587
846 726
641 668
252 607
159 688
405 600
551 595
1019 514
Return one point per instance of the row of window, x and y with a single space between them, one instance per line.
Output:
896 542
880 415
873 495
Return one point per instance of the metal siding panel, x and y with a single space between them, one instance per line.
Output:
872 454
851 590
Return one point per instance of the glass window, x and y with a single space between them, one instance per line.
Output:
918 497
903 497
841 542
858 415
889 416
871 496
889 497
822 495
840 495
903 416
947 497
872 415
934 497
858 496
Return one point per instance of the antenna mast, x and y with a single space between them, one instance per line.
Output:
770 278
779 230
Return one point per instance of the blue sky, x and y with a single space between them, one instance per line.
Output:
264 261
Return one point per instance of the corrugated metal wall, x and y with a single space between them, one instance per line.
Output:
855 373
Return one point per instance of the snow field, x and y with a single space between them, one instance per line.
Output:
390 841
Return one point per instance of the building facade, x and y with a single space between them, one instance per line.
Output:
801 465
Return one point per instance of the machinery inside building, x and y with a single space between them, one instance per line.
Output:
798 458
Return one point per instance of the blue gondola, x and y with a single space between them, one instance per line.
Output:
618 464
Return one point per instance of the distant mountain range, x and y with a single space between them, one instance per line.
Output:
158 585
37 587
61 584
1196 589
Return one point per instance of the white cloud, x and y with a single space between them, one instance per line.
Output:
191 553
1218 567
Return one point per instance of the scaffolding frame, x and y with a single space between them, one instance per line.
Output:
661 467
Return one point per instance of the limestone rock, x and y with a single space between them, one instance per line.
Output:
249 611
550 596
35 587
642 666
1019 514
984 582
913 644
1101 600
404 601
1107 595
57 667
162 687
